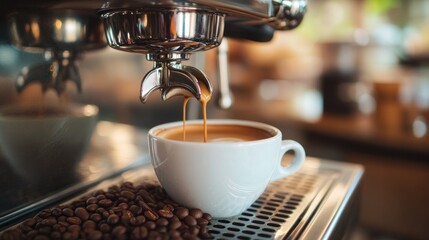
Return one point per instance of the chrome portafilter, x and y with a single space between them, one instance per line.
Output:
62 35
167 35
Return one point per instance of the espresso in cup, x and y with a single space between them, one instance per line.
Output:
226 174
215 133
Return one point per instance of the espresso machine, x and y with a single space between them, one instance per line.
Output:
167 32
318 202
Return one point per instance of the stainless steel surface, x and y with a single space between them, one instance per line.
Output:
58 29
162 31
62 35
225 99
281 14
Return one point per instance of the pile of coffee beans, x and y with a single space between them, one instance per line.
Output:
121 212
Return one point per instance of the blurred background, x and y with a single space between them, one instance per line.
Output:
351 84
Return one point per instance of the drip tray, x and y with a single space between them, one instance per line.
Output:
318 202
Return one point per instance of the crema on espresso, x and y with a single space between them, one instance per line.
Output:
215 133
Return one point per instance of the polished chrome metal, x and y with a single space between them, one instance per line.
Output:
174 79
281 14
163 30
60 29
225 99
167 36
52 74
169 30
289 13
62 35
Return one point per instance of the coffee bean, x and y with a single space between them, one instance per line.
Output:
168 207
95 217
68 212
56 212
151 215
41 237
165 213
206 236
162 222
128 194
67 236
144 205
113 219
101 197
207 216
94 235
31 234
140 233
196 213
89 224
136 210
182 212
105 214
123 205
194 230
55 235
81 213
110 196
126 216
49 221
190 221
61 218
74 220
92 207
173 225
150 225
91 200
73 228
45 213
174 234
202 221
119 231
161 229
123 212
105 203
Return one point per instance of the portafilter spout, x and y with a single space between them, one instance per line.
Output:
173 79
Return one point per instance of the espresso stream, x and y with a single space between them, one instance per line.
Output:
205 98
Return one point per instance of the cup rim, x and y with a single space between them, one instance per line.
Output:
84 111
276 132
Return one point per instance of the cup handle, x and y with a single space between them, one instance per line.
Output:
298 161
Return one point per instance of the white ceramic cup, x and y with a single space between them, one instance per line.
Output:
46 147
221 178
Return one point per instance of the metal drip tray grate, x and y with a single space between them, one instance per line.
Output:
276 211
